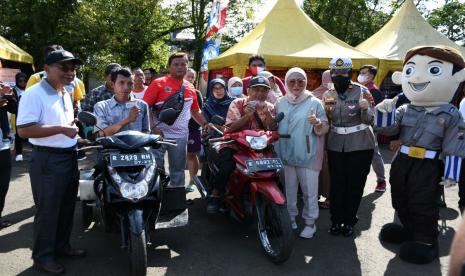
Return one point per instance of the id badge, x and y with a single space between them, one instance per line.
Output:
417 152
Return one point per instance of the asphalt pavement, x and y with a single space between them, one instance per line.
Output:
218 245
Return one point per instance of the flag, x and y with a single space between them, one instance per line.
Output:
387 119
217 18
452 168
216 23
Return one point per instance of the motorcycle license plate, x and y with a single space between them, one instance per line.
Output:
268 164
130 159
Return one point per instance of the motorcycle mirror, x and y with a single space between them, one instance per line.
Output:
279 117
218 120
167 115
87 118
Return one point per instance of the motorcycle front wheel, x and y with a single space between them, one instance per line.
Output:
138 254
274 230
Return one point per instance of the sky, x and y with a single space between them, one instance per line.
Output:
268 5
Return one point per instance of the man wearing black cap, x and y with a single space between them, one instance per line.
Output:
46 117
254 113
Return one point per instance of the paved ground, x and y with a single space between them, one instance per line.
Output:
218 245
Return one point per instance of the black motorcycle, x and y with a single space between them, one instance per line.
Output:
124 191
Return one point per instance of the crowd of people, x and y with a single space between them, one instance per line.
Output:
332 144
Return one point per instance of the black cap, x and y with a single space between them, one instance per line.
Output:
61 56
259 81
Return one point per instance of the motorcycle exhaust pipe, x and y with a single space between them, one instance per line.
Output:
200 186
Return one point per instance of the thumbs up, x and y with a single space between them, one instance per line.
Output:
312 119
363 102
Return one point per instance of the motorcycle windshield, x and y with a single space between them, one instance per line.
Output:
128 140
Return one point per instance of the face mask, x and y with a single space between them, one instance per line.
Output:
236 91
341 83
257 70
362 79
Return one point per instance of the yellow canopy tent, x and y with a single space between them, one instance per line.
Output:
287 37
9 51
406 29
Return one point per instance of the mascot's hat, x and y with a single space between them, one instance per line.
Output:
440 52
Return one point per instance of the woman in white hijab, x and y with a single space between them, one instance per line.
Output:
235 87
302 154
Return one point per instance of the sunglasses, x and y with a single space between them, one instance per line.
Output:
299 82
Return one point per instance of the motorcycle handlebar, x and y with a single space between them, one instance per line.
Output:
168 143
90 148
213 140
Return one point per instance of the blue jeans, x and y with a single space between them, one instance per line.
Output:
176 160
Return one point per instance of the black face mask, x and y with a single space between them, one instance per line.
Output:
341 83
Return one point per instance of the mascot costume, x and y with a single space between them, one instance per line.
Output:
431 131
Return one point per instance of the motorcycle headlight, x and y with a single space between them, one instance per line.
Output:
257 143
133 191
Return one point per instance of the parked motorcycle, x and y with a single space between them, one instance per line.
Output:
253 190
124 191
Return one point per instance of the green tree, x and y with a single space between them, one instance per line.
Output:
450 20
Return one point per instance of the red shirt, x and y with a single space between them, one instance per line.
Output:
162 88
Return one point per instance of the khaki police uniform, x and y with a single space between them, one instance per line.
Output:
427 137
350 150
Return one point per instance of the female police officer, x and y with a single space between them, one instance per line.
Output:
350 144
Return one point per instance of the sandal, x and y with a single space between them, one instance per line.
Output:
324 204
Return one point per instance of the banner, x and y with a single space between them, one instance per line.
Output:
216 23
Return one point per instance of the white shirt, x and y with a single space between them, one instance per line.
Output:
42 104
139 95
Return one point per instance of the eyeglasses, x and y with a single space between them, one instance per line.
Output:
299 82
66 68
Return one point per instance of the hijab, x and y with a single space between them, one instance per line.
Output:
304 94
275 92
232 81
325 85
215 106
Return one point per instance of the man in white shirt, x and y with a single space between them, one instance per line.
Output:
139 83
46 117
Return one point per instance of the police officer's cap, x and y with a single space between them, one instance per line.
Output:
340 64
259 81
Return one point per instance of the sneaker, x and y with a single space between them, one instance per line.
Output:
308 232
294 225
381 187
19 158
213 205
190 188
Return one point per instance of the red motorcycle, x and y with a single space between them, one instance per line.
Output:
253 190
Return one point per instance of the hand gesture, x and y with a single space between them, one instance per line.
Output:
387 105
312 119
364 104
133 114
70 131
250 108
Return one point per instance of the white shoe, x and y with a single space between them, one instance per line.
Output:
308 232
19 158
294 225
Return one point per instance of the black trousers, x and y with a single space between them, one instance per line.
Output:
348 171
5 175
225 162
18 144
462 186
414 190
54 181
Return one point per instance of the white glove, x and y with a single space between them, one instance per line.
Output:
448 183
387 105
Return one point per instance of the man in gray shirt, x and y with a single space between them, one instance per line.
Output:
122 112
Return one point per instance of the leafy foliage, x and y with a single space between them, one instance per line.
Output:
450 20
